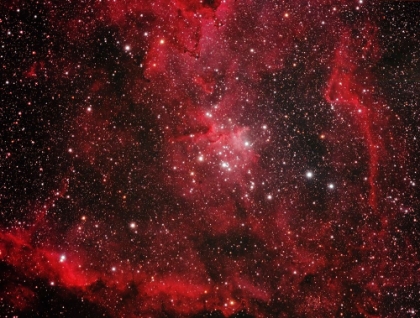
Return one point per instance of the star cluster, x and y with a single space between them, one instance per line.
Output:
212 158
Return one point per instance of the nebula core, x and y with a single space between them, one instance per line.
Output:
212 158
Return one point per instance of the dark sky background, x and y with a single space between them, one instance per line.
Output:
209 158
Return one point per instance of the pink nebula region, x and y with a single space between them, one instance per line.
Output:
212 158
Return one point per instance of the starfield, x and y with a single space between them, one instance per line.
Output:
213 158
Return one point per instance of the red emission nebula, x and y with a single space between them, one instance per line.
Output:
209 158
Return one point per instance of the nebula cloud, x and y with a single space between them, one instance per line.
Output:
213 158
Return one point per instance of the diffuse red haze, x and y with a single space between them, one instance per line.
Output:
209 159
